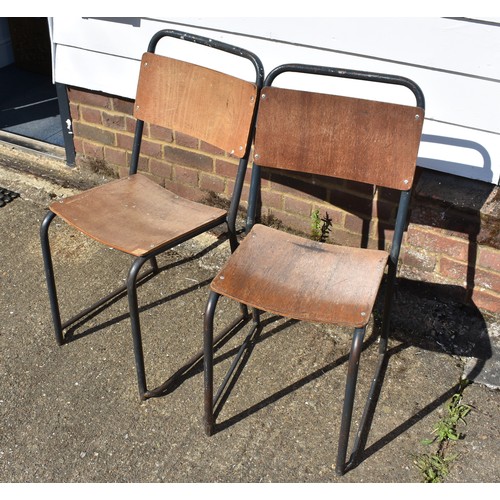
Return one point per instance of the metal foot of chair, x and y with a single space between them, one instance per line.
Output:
352 373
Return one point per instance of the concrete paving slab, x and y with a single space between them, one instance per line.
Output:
71 414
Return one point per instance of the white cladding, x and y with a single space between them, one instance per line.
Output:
456 62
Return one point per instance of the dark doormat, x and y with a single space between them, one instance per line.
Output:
7 196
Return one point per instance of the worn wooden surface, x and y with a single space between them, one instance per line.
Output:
198 101
303 279
344 137
134 214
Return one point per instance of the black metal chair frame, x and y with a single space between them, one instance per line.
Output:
134 276
212 404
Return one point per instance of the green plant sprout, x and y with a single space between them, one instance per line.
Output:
320 227
446 429
435 466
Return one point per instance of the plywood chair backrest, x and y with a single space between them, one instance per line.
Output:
203 103
344 137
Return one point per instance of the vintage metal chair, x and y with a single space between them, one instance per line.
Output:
344 137
134 214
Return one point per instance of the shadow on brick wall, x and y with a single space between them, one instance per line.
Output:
439 316
458 207
450 207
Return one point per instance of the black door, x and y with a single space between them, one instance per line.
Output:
29 105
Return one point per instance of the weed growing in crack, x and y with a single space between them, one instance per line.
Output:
435 466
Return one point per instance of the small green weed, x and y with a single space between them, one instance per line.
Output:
435 466
446 429
320 227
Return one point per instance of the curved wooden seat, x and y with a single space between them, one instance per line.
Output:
303 279
137 215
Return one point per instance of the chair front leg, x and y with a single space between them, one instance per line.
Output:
208 362
49 275
350 390
136 325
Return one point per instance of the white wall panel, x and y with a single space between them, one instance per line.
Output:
97 71
457 64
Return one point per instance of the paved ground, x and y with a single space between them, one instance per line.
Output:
72 414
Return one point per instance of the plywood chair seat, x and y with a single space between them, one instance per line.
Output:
140 215
302 279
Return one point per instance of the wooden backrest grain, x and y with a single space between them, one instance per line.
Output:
349 138
203 103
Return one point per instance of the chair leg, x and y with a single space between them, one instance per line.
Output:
154 265
132 298
49 274
350 389
208 362
389 292
135 323
256 316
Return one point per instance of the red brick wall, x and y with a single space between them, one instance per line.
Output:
103 129
452 239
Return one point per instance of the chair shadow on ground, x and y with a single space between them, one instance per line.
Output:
425 315
191 367
435 317
78 330
416 297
